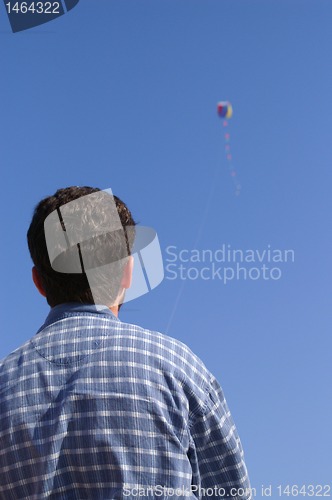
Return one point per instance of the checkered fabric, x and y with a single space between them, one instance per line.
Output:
93 408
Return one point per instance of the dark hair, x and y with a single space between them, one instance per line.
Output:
63 287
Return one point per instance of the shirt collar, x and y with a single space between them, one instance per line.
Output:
72 308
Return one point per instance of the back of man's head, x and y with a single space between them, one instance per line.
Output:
91 216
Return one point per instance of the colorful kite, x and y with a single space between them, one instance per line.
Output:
225 110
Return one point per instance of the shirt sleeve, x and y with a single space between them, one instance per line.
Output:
219 470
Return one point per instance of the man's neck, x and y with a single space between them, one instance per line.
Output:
115 310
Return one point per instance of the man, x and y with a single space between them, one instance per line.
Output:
91 407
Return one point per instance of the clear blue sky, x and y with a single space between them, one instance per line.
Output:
123 94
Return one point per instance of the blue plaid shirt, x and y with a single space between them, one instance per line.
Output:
91 407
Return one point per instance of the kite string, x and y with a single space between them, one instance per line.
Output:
233 174
197 239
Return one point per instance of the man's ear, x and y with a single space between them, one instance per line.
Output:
128 273
37 281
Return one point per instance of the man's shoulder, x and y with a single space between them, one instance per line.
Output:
111 328
171 352
148 346
10 364
71 337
